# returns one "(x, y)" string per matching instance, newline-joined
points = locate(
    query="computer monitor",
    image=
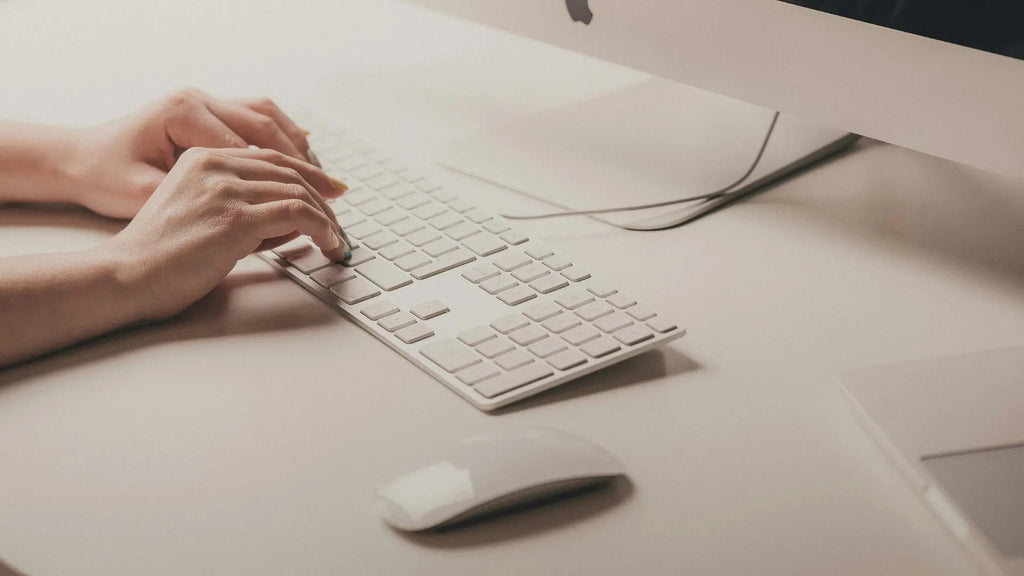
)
(865, 66)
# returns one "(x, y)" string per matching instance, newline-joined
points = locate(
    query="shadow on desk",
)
(643, 369)
(208, 318)
(529, 520)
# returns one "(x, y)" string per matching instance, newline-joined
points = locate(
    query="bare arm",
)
(196, 211)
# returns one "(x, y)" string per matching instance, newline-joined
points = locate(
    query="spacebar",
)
(443, 264)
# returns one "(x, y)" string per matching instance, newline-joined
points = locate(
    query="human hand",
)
(214, 208)
(119, 164)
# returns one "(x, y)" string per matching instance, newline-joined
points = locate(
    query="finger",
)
(271, 243)
(196, 127)
(265, 190)
(275, 219)
(256, 128)
(323, 183)
(297, 135)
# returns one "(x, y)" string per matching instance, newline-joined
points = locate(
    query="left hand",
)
(121, 163)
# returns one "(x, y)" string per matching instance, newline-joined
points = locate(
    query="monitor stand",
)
(650, 142)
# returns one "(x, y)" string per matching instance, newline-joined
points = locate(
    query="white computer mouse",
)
(485, 474)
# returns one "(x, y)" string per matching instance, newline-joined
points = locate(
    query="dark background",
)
(991, 25)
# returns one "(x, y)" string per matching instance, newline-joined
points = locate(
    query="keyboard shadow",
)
(210, 317)
(529, 520)
(648, 367)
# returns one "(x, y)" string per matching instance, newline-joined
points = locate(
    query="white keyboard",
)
(490, 313)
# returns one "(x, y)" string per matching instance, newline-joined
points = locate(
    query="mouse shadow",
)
(529, 519)
(210, 317)
(646, 368)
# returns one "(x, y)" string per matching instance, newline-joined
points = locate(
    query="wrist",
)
(126, 282)
(40, 163)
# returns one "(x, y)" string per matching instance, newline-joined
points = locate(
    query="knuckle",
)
(293, 176)
(297, 192)
(265, 124)
(180, 100)
(264, 103)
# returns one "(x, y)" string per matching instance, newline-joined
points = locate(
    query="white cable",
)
(709, 196)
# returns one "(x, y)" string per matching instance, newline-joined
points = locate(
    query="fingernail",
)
(347, 247)
(335, 240)
(313, 159)
(304, 131)
(338, 184)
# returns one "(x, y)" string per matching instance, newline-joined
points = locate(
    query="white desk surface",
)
(247, 436)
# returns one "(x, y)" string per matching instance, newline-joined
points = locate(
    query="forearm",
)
(36, 163)
(53, 300)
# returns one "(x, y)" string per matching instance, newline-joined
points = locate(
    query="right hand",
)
(214, 208)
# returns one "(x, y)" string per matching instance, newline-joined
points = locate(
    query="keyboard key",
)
(634, 334)
(367, 172)
(599, 347)
(428, 186)
(498, 284)
(358, 196)
(421, 237)
(351, 219)
(392, 165)
(514, 237)
(443, 195)
(509, 323)
(530, 272)
(384, 274)
(397, 190)
(438, 247)
(477, 373)
(514, 359)
(310, 261)
(495, 347)
(549, 284)
(410, 262)
(477, 335)
(484, 244)
(541, 311)
(293, 248)
(407, 226)
(379, 310)
(450, 355)
(517, 295)
(621, 301)
(575, 274)
(495, 226)
(391, 216)
(397, 321)
(538, 252)
(396, 250)
(429, 309)
(360, 255)
(375, 206)
(580, 335)
(362, 230)
(445, 263)
(352, 162)
(659, 324)
(381, 181)
(562, 322)
(477, 215)
(429, 210)
(512, 260)
(415, 333)
(528, 335)
(333, 274)
(600, 290)
(379, 240)
(567, 359)
(459, 205)
(573, 300)
(640, 313)
(355, 291)
(613, 322)
(461, 231)
(515, 379)
(557, 262)
(480, 272)
(445, 220)
(413, 201)
(594, 310)
(547, 347)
